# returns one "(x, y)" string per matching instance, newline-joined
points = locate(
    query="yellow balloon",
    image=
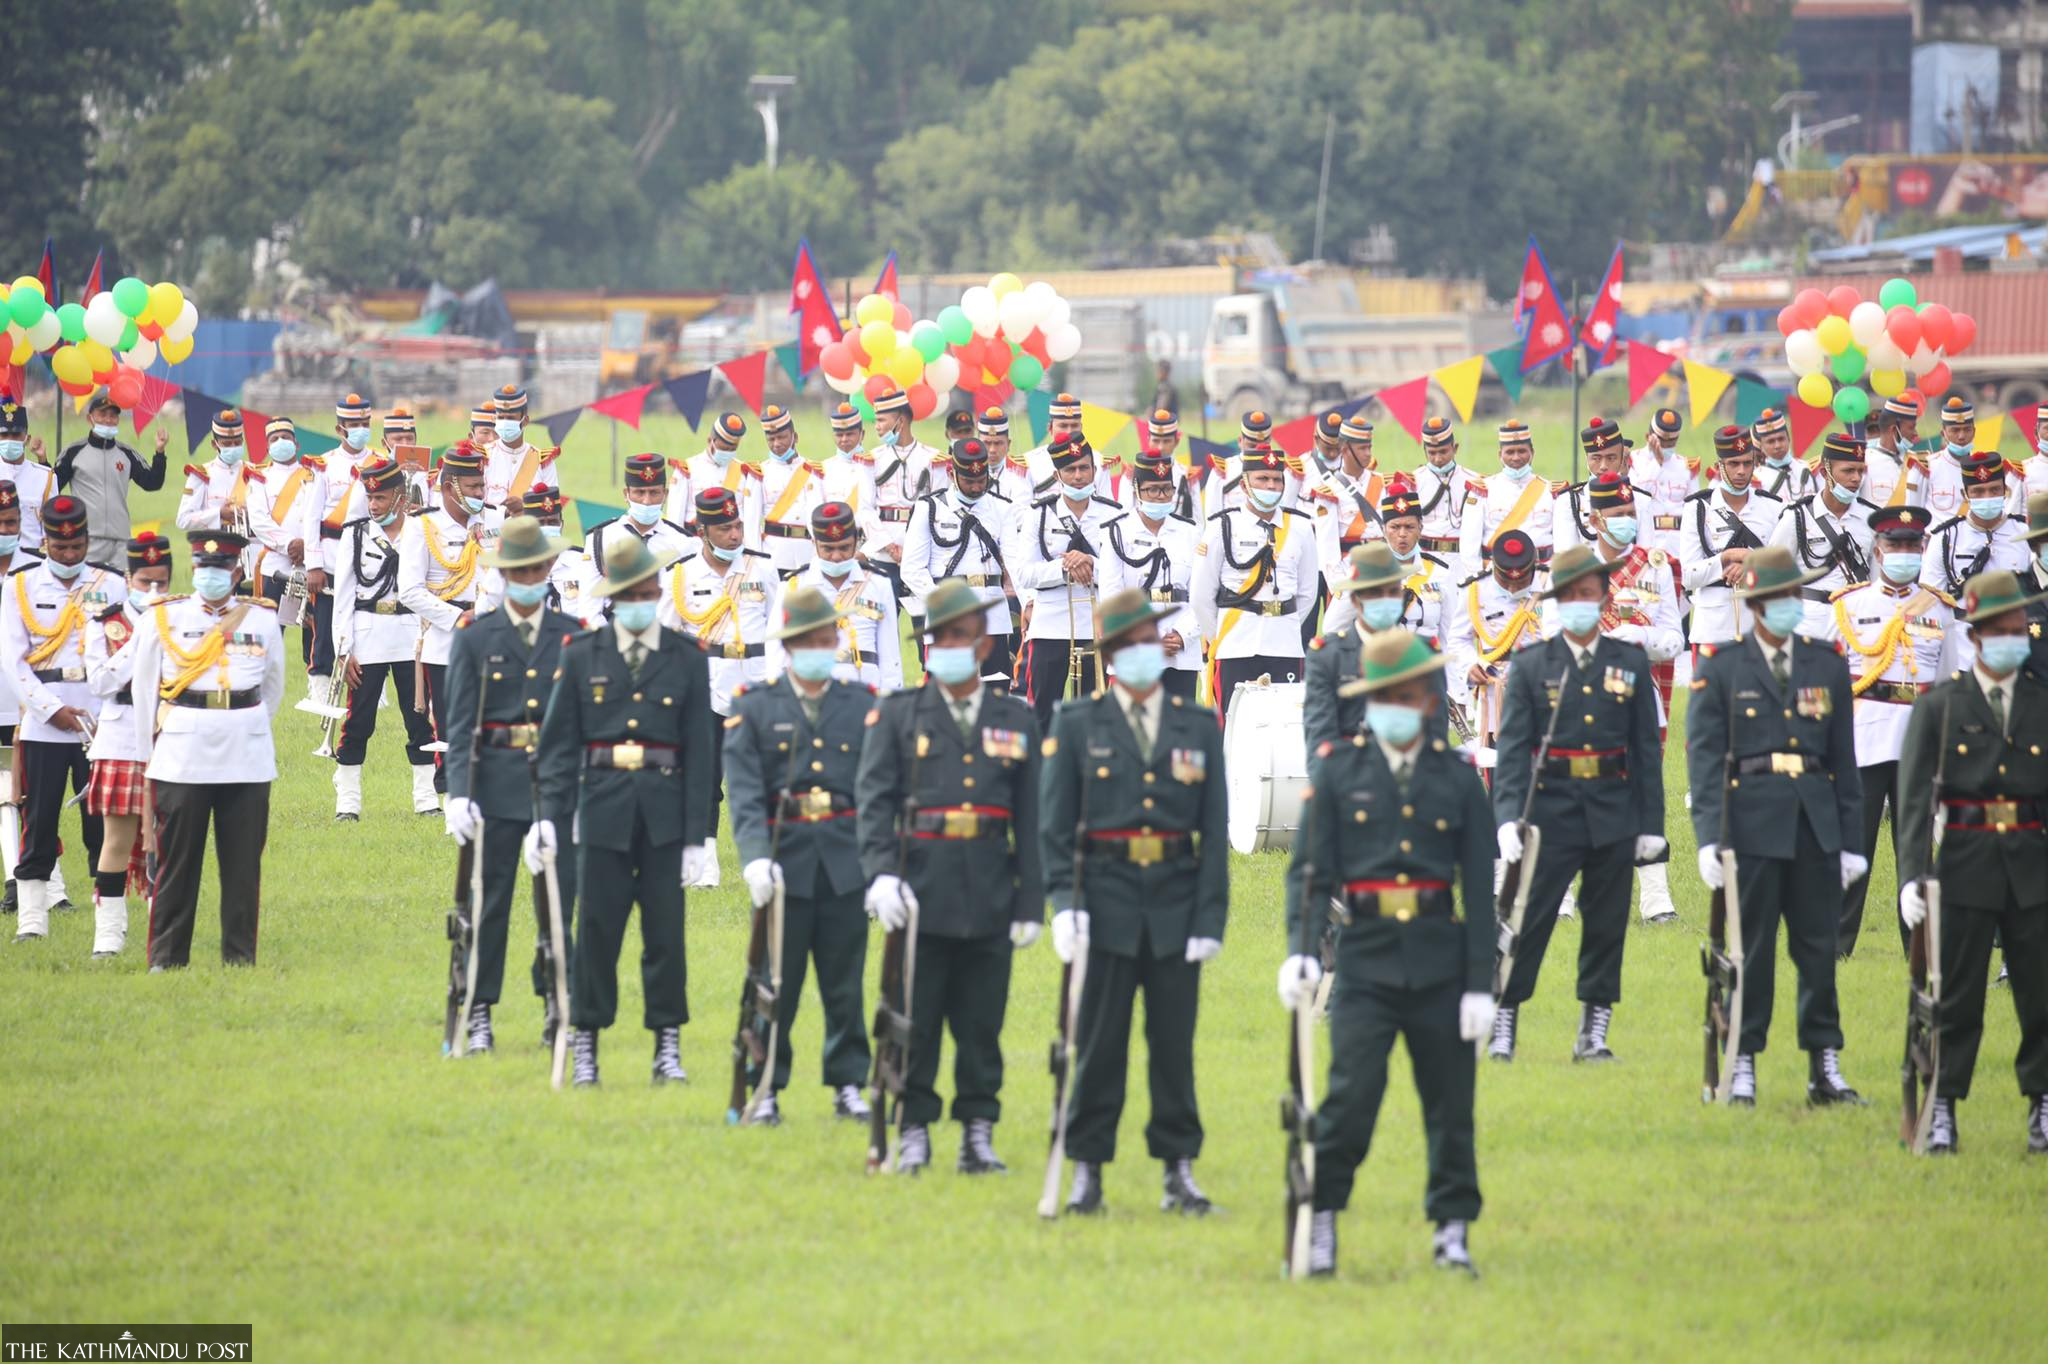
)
(98, 356)
(906, 366)
(874, 308)
(174, 352)
(23, 348)
(166, 301)
(29, 282)
(1004, 284)
(70, 366)
(1816, 391)
(1833, 335)
(878, 339)
(1887, 383)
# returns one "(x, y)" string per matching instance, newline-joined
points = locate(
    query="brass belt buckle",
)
(1146, 850)
(1404, 903)
(1788, 764)
(1162, 594)
(74, 675)
(963, 823)
(523, 736)
(629, 757)
(1584, 765)
(2000, 813)
(815, 803)
(734, 649)
(216, 700)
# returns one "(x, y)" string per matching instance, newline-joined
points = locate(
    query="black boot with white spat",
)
(1450, 1250)
(583, 1054)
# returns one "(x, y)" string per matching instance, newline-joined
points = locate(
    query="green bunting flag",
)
(1752, 398)
(1040, 403)
(1507, 365)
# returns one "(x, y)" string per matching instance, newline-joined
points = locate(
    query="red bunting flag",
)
(1549, 333)
(1598, 333)
(624, 407)
(2023, 419)
(1807, 424)
(1296, 437)
(1646, 365)
(749, 374)
(1408, 404)
(818, 324)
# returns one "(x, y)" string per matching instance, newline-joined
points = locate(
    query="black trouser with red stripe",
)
(239, 813)
(437, 706)
(361, 723)
(322, 635)
(44, 771)
(1045, 676)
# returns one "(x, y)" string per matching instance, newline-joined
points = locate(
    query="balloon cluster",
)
(885, 350)
(1007, 331)
(1835, 339)
(110, 339)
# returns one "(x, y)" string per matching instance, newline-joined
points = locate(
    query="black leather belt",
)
(1169, 594)
(894, 515)
(389, 606)
(1142, 847)
(1586, 764)
(1897, 693)
(496, 734)
(961, 822)
(328, 532)
(60, 674)
(1440, 543)
(1784, 764)
(218, 700)
(732, 650)
(1997, 814)
(777, 530)
(125, 696)
(1820, 594)
(1379, 900)
(812, 806)
(632, 757)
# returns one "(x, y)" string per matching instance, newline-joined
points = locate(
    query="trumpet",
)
(291, 610)
(1078, 650)
(330, 703)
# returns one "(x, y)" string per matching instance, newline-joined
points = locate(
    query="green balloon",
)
(1852, 404)
(71, 318)
(1025, 371)
(955, 326)
(131, 296)
(26, 307)
(928, 340)
(130, 334)
(1849, 365)
(864, 407)
(1896, 292)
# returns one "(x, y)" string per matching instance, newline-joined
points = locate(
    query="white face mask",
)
(1519, 474)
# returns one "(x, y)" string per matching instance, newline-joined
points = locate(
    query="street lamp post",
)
(765, 90)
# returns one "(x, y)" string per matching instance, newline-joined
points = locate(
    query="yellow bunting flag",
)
(1460, 383)
(1101, 425)
(1704, 385)
(1990, 430)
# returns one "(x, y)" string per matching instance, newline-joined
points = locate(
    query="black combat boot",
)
(1824, 1082)
(1592, 1041)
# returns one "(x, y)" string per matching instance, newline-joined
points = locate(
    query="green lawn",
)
(286, 1146)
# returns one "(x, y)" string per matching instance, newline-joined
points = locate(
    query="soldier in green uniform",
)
(1392, 820)
(1135, 777)
(1599, 794)
(1377, 587)
(949, 826)
(625, 751)
(1771, 750)
(791, 752)
(500, 673)
(1985, 732)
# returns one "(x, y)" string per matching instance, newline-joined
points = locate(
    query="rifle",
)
(553, 949)
(1721, 956)
(1298, 1112)
(755, 1042)
(469, 905)
(1511, 902)
(899, 977)
(1064, 1052)
(1921, 1070)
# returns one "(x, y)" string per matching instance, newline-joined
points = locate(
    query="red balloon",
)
(1812, 305)
(103, 376)
(855, 349)
(996, 359)
(836, 360)
(1962, 333)
(75, 390)
(877, 385)
(126, 389)
(1934, 382)
(1902, 324)
(1034, 346)
(1915, 397)
(968, 353)
(1936, 324)
(923, 402)
(1788, 319)
(152, 331)
(1842, 299)
(902, 318)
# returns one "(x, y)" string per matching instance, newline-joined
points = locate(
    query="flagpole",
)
(1575, 385)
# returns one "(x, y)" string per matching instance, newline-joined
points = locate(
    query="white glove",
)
(695, 855)
(762, 877)
(1069, 933)
(890, 900)
(1710, 866)
(461, 818)
(1203, 949)
(1475, 1015)
(1649, 847)
(1509, 839)
(1912, 904)
(1025, 932)
(1298, 977)
(1853, 866)
(540, 843)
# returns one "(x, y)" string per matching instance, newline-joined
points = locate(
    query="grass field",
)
(285, 1146)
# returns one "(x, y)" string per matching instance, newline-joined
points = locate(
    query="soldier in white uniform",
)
(925, 470)
(648, 499)
(1985, 537)
(1893, 474)
(727, 597)
(216, 494)
(1441, 485)
(1007, 466)
(571, 573)
(1900, 637)
(1947, 488)
(1778, 472)
(34, 482)
(1430, 578)
(1255, 581)
(438, 553)
(286, 495)
(717, 466)
(1724, 521)
(1513, 499)
(1053, 552)
(378, 635)
(13, 557)
(1344, 497)
(1668, 477)
(43, 615)
(1486, 620)
(961, 533)
(850, 473)
(1607, 452)
(870, 639)
(340, 502)
(2034, 473)
(1063, 418)
(1828, 531)
(1255, 439)
(901, 476)
(1163, 427)
(791, 488)
(211, 758)
(511, 463)
(1153, 548)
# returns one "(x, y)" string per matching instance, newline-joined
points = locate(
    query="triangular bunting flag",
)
(1507, 367)
(558, 424)
(1351, 405)
(1206, 456)
(790, 355)
(155, 393)
(688, 392)
(1990, 431)
(623, 407)
(1101, 425)
(1752, 398)
(749, 375)
(253, 424)
(1460, 383)
(200, 410)
(591, 515)
(1646, 365)
(1297, 436)
(313, 442)
(1807, 424)
(1408, 404)
(2026, 420)
(1039, 402)
(1704, 386)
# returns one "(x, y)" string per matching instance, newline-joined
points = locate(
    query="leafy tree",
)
(740, 232)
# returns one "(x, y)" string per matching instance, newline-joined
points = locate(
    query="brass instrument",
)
(291, 608)
(330, 703)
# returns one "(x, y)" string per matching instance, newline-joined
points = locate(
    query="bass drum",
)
(1267, 762)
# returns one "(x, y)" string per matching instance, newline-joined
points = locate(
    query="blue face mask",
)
(527, 594)
(1960, 452)
(9, 543)
(953, 664)
(1987, 508)
(1139, 666)
(784, 456)
(889, 438)
(1900, 566)
(229, 454)
(66, 571)
(105, 432)
(1398, 725)
(1783, 614)
(284, 451)
(1783, 461)
(1845, 496)
(1518, 474)
(387, 518)
(473, 505)
(508, 432)
(725, 555)
(1579, 617)
(835, 568)
(812, 665)
(634, 616)
(1380, 613)
(13, 451)
(2002, 653)
(214, 584)
(1265, 499)
(721, 457)
(967, 500)
(1619, 530)
(357, 437)
(644, 513)
(2041, 557)
(1078, 496)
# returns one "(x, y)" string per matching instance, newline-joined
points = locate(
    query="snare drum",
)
(1267, 763)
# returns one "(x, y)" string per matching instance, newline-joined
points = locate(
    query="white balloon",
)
(1018, 312)
(847, 385)
(981, 309)
(141, 355)
(1803, 352)
(1866, 324)
(186, 322)
(1056, 314)
(943, 373)
(48, 331)
(1063, 342)
(1884, 353)
(104, 322)
(1922, 360)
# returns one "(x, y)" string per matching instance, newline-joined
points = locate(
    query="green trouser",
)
(962, 984)
(1364, 1018)
(833, 931)
(1172, 987)
(504, 869)
(543, 972)
(609, 884)
(1966, 936)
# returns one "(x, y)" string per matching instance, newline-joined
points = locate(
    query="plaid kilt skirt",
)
(115, 787)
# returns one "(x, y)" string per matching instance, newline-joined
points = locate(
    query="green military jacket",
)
(1735, 699)
(916, 759)
(1609, 705)
(1095, 780)
(771, 747)
(515, 690)
(1358, 825)
(597, 700)
(1951, 730)
(1326, 717)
